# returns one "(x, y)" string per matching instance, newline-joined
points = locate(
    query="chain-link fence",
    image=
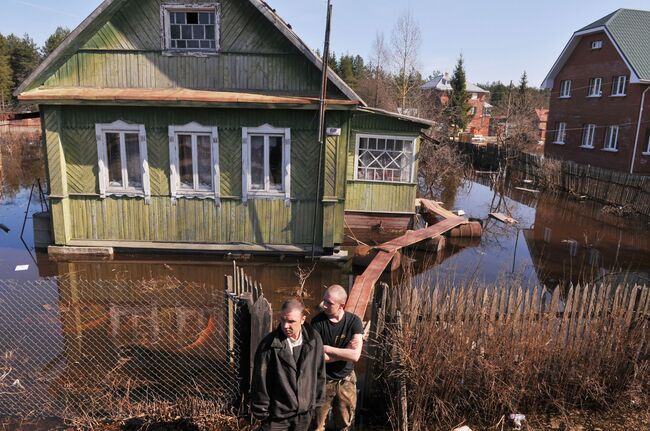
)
(81, 349)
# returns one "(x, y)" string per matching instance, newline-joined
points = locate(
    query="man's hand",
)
(351, 352)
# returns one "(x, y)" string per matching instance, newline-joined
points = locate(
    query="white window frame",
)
(266, 130)
(595, 87)
(194, 129)
(560, 133)
(565, 89)
(647, 147)
(619, 86)
(588, 135)
(165, 9)
(474, 96)
(611, 139)
(411, 163)
(121, 127)
(597, 44)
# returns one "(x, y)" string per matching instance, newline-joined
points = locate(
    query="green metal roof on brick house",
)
(629, 31)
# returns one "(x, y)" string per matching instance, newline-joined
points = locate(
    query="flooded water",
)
(556, 240)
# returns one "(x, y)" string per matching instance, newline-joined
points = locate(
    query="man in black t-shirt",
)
(342, 334)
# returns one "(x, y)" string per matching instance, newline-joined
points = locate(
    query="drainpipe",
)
(638, 129)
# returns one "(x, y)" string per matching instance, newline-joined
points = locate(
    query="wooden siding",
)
(263, 221)
(380, 197)
(253, 56)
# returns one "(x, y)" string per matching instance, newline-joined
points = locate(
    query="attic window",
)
(596, 44)
(191, 27)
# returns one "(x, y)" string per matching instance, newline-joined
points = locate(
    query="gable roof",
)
(629, 32)
(442, 83)
(107, 9)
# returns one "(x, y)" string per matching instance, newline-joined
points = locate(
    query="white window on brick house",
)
(619, 85)
(472, 110)
(194, 161)
(611, 139)
(266, 159)
(595, 87)
(565, 88)
(474, 96)
(596, 44)
(385, 158)
(190, 28)
(122, 159)
(588, 134)
(560, 133)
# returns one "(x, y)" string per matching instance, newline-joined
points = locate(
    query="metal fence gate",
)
(75, 349)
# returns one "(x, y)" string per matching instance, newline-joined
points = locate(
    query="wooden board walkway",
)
(364, 285)
(503, 218)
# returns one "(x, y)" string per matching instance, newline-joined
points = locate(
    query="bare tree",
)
(405, 43)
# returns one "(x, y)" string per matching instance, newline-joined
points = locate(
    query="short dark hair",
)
(292, 304)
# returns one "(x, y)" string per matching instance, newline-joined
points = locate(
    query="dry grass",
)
(478, 353)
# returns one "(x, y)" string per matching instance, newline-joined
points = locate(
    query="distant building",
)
(480, 108)
(541, 118)
(599, 110)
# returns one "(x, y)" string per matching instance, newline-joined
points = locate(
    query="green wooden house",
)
(170, 125)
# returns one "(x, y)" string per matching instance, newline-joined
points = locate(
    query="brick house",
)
(479, 107)
(541, 121)
(599, 110)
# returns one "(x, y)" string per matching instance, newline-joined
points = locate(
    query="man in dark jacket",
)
(289, 373)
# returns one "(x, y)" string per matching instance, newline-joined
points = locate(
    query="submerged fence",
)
(449, 354)
(87, 350)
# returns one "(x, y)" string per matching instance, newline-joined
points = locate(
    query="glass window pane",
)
(185, 171)
(363, 143)
(257, 162)
(209, 32)
(114, 160)
(372, 143)
(192, 18)
(204, 156)
(205, 44)
(192, 43)
(133, 165)
(198, 32)
(180, 44)
(275, 162)
(180, 17)
(187, 31)
(204, 18)
(175, 31)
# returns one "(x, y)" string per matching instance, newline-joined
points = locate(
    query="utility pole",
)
(321, 122)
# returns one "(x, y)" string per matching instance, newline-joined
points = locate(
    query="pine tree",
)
(23, 57)
(346, 71)
(459, 98)
(6, 83)
(54, 41)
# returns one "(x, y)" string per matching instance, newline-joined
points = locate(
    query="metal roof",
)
(629, 31)
(442, 83)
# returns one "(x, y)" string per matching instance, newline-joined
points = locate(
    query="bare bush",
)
(550, 175)
(441, 167)
(478, 353)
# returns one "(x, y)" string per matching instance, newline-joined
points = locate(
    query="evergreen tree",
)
(359, 68)
(6, 83)
(54, 40)
(523, 84)
(459, 98)
(346, 71)
(23, 57)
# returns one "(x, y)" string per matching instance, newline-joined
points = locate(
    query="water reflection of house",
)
(195, 126)
(574, 241)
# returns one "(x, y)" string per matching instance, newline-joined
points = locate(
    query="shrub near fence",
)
(477, 353)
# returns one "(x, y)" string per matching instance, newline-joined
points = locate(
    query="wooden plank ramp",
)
(364, 285)
(503, 218)
(434, 207)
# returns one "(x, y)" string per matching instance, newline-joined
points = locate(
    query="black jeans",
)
(300, 422)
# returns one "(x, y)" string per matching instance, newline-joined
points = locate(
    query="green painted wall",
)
(378, 196)
(126, 52)
(191, 220)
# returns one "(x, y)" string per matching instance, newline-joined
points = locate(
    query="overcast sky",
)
(499, 39)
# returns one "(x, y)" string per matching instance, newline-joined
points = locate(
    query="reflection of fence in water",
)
(73, 347)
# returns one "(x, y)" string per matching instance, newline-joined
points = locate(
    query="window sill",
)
(396, 183)
(645, 153)
(198, 53)
(564, 97)
(195, 195)
(266, 195)
(595, 96)
(129, 193)
(610, 150)
(587, 147)
(558, 143)
(617, 95)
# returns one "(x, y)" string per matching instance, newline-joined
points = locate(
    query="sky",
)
(499, 39)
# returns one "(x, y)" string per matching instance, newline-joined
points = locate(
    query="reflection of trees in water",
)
(21, 162)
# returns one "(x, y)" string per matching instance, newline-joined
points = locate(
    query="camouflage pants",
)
(342, 400)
